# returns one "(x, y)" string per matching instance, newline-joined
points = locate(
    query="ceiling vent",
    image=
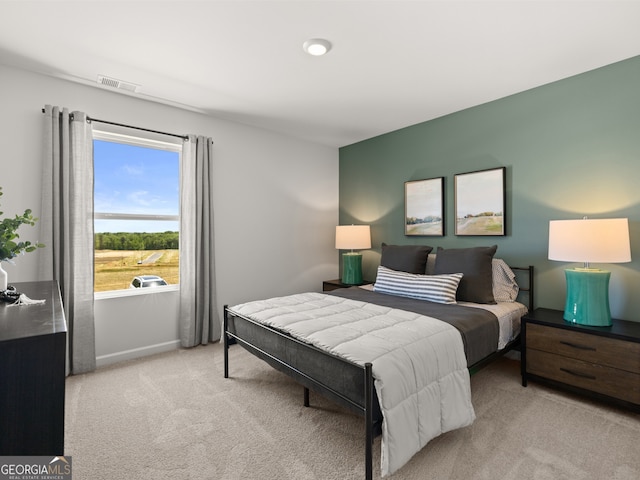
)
(118, 84)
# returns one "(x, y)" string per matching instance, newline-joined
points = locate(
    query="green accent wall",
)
(571, 148)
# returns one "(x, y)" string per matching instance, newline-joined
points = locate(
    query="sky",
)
(139, 180)
(424, 198)
(479, 192)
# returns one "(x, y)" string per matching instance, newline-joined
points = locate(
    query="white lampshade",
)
(590, 240)
(353, 237)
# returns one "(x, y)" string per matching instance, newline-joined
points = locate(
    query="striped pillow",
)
(434, 288)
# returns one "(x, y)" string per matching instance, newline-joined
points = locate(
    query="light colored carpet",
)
(174, 416)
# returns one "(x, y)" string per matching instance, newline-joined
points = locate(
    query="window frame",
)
(133, 137)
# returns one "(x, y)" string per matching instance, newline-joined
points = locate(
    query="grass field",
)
(434, 228)
(480, 226)
(114, 269)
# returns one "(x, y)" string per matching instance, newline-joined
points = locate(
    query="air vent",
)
(119, 84)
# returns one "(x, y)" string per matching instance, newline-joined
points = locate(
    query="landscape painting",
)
(424, 207)
(480, 202)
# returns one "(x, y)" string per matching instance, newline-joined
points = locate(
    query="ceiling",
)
(393, 63)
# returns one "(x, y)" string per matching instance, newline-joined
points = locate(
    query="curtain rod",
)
(90, 119)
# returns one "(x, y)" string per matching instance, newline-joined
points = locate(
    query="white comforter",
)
(419, 364)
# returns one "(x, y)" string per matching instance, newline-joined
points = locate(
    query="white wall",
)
(276, 204)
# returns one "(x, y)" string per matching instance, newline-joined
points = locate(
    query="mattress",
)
(508, 315)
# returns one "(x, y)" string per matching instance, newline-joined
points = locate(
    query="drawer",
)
(606, 351)
(597, 378)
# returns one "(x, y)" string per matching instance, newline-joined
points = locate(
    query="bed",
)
(324, 341)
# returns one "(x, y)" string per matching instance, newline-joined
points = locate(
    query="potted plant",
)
(10, 246)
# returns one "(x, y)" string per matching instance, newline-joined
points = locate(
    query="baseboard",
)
(112, 358)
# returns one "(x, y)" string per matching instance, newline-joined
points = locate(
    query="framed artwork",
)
(480, 202)
(424, 207)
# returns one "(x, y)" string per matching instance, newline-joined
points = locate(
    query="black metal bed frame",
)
(342, 381)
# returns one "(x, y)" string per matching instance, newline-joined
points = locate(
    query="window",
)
(136, 212)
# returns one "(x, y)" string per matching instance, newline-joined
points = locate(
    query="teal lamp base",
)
(587, 297)
(352, 268)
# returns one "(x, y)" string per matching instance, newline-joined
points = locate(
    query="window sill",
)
(134, 292)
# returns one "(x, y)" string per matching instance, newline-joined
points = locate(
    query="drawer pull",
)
(578, 374)
(579, 347)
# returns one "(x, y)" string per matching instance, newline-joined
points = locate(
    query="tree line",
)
(136, 241)
(483, 214)
(427, 219)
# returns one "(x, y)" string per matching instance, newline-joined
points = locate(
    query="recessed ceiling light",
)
(316, 46)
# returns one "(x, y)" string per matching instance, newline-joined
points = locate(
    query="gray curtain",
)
(199, 319)
(66, 226)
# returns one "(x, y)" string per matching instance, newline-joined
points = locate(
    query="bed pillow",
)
(505, 287)
(476, 264)
(434, 288)
(405, 258)
(431, 263)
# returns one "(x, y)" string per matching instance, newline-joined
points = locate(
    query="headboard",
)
(524, 277)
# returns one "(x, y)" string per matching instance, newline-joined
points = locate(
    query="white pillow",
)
(505, 287)
(434, 288)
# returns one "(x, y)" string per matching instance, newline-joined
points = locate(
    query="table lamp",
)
(589, 241)
(351, 237)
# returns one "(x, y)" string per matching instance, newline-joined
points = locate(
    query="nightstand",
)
(329, 285)
(601, 362)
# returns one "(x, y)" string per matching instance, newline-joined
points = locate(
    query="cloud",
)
(140, 197)
(133, 170)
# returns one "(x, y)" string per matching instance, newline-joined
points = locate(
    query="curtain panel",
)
(199, 318)
(66, 226)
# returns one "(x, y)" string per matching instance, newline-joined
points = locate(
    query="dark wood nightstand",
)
(329, 285)
(601, 362)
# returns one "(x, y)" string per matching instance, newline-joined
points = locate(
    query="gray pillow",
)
(475, 263)
(405, 258)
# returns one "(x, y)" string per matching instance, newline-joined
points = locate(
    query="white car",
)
(144, 281)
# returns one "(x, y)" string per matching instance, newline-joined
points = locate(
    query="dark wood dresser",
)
(602, 362)
(32, 373)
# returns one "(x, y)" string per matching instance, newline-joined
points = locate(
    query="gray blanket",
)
(479, 328)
